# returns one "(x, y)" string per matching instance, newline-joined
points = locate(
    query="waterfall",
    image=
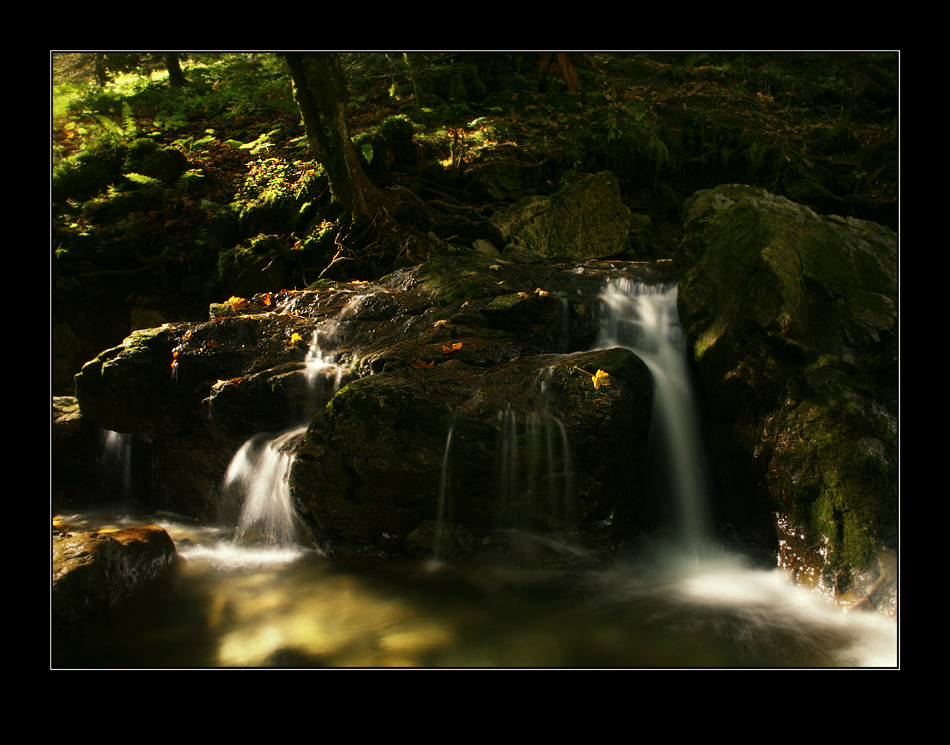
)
(259, 472)
(535, 471)
(115, 465)
(644, 319)
(436, 560)
(260, 469)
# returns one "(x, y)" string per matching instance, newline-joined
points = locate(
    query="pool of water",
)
(239, 607)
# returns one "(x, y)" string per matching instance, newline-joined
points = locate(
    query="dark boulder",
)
(94, 571)
(485, 346)
(793, 318)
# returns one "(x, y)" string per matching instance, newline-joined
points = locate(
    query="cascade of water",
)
(535, 472)
(443, 495)
(260, 470)
(644, 319)
(115, 465)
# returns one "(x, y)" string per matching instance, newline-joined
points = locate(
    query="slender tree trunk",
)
(320, 90)
(175, 75)
(412, 64)
(102, 70)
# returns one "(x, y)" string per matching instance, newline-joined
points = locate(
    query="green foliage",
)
(189, 144)
(138, 178)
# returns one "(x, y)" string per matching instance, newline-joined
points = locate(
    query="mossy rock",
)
(85, 174)
(145, 157)
(793, 321)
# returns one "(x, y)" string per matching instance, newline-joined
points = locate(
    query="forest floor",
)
(818, 128)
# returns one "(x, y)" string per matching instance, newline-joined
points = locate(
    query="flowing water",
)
(115, 466)
(272, 601)
(534, 472)
(259, 472)
(226, 605)
(644, 319)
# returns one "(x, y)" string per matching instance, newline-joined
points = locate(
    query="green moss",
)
(451, 279)
(846, 484)
(144, 338)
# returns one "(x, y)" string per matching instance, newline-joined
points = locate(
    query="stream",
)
(232, 606)
(250, 596)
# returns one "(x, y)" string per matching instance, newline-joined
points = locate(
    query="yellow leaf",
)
(541, 292)
(237, 303)
(296, 338)
(600, 378)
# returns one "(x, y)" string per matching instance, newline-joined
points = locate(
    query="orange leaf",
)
(454, 348)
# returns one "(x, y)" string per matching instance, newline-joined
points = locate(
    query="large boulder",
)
(491, 349)
(95, 571)
(793, 318)
(528, 444)
(587, 220)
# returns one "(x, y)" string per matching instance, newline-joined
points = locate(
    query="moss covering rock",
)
(587, 220)
(793, 318)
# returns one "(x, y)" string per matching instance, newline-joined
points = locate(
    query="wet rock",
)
(533, 445)
(93, 572)
(794, 327)
(486, 346)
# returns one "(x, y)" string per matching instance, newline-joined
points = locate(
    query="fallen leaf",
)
(295, 338)
(443, 323)
(541, 292)
(600, 378)
(423, 366)
(237, 303)
(454, 348)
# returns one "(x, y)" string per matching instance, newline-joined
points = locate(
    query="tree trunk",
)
(320, 90)
(176, 77)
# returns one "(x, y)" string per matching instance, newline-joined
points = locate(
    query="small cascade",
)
(323, 373)
(115, 466)
(259, 472)
(644, 319)
(534, 468)
(444, 486)
(562, 329)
